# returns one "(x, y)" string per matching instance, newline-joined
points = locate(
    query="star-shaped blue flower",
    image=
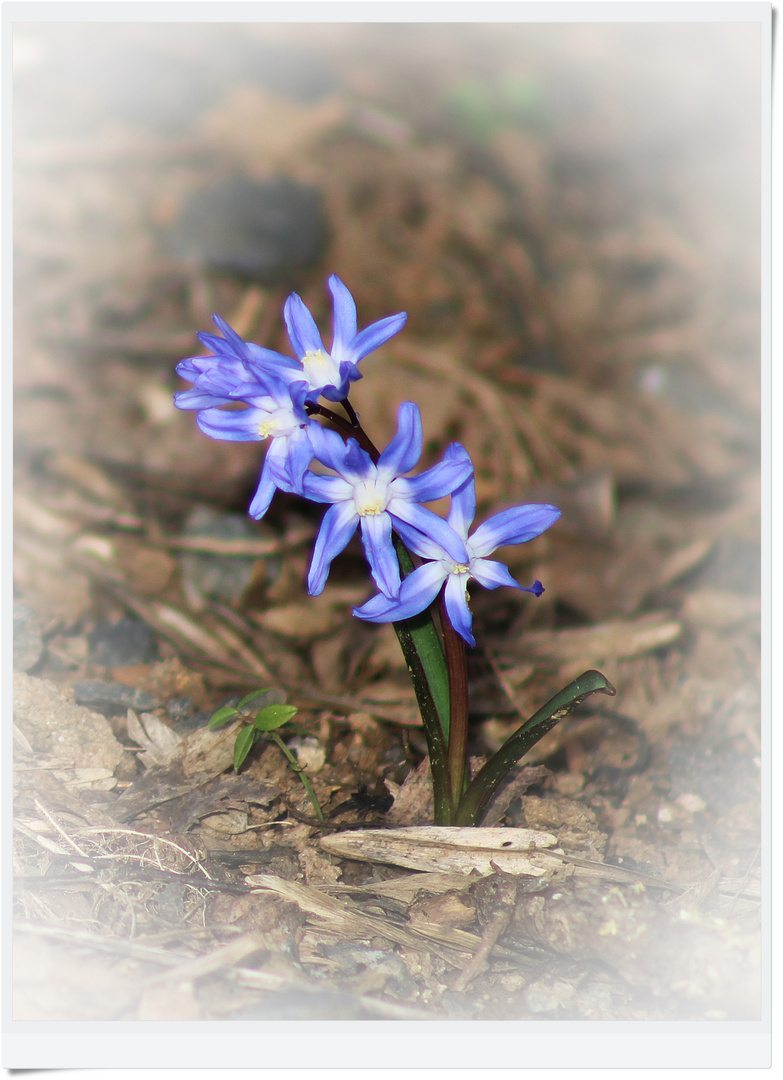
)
(420, 588)
(329, 374)
(379, 497)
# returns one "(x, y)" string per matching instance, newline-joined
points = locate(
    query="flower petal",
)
(417, 542)
(492, 574)
(344, 318)
(376, 537)
(456, 597)
(373, 336)
(198, 399)
(337, 528)
(347, 459)
(513, 526)
(235, 426)
(299, 454)
(325, 489)
(301, 326)
(417, 592)
(404, 451)
(264, 492)
(463, 498)
(434, 483)
(431, 525)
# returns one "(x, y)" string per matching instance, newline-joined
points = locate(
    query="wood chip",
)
(614, 640)
(448, 850)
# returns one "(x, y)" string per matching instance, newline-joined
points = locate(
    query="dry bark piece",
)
(448, 849)
(613, 640)
(201, 756)
(451, 908)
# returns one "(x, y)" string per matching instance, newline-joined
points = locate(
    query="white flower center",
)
(321, 369)
(278, 422)
(371, 497)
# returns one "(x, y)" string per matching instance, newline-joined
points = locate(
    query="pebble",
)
(124, 643)
(112, 699)
(257, 230)
(218, 576)
(178, 708)
(28, 642)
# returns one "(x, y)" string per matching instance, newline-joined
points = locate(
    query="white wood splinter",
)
(448, 849)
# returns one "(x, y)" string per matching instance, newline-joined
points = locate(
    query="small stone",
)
(219, 577)
(259, 231)
(28, 643)
(178, 708)
(112, 699)
(124, 643)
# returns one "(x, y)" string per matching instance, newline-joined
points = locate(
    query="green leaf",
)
(274, 716)
(244, 744)
(486, 780)
(221, 717)
(251, 697)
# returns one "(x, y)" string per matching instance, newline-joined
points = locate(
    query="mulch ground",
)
(569, 216)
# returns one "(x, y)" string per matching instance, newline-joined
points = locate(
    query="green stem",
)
(457, 664)
(297, 768)
(423, 653)
(422, 649)
(486, 780)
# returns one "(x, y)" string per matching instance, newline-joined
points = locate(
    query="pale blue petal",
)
(513, 526)
(404, 451)
(373, 336)
(269, 360)
(457, 606)
(463, 498)
(337, 528)
(298, 456)
(492, 574)
(417, 542)
(193, 366)
(301, 326)
(357, 464)
(417, 592)
(238, 426)
(235, 342)
(328, 447)
(434, 483)
(431, 525)
(376, 537)
(344, 318)
(198, 399)
(325, 489)
(289, 457)
(264, 492)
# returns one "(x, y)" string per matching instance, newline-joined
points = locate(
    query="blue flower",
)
(276, 412)
(329, 374)
(420, 588)
(233, 365)
(377, 497)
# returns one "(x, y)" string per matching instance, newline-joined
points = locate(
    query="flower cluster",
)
(244, 392)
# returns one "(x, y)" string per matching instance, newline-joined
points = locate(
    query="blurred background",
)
(569, 213)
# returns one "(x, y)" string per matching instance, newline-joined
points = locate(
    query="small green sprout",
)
(264, 725)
